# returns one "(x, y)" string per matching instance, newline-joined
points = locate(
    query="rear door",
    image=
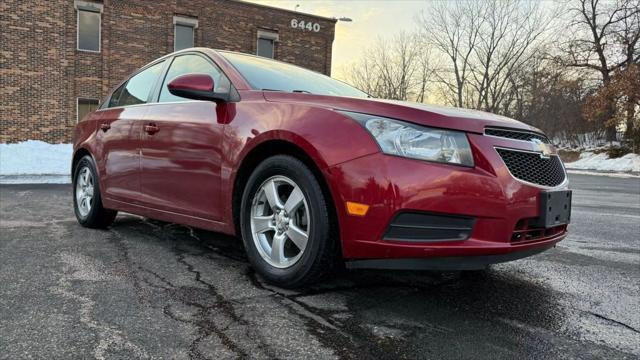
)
(181, 147)
(119, 131)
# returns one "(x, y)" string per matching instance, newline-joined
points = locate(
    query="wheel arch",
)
(268, 149)
(77, 155)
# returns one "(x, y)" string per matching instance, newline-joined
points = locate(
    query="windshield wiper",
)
(295, 91)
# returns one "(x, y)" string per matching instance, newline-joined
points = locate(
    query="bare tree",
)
(552, 99)
(515, 58)
(397, 68)
(453, 29)
(606, 41)
(426, 72)
(485, 42)
(363, 74)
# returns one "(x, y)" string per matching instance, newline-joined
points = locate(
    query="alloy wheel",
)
(84, 191)
(280, 221)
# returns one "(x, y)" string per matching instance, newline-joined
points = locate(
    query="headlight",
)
(417, 142)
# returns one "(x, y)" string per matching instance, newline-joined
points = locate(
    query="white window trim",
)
(185, 21)
(268, 35)
(78, 106)
(90, 7)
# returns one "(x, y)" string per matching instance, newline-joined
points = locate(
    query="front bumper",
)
(496, 201)
(453, 263)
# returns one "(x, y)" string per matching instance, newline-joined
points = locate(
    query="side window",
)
(139, 86)
(113, 100)
(188, 64)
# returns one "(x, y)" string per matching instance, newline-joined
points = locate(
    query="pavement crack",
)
(614, 321)
(129, 265)
(161, 278)
(207, 327)
(335, 338)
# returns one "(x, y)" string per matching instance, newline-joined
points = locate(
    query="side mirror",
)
(197, 87)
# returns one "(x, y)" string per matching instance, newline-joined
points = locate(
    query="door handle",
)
(105, 126)
(151, 129)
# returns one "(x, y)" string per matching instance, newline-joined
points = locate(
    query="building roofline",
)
(333, 20)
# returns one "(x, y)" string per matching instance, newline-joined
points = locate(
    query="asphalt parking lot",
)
(148, 289)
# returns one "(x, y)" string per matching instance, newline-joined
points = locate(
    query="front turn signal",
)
(357, 209)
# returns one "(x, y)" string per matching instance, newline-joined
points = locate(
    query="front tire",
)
(87, 200)
(285, 223)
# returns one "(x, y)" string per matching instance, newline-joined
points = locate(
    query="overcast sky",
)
(371, 19)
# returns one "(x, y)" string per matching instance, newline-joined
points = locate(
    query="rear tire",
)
(294, 217)
(87, 200)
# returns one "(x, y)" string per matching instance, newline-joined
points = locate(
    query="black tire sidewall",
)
(295, 170)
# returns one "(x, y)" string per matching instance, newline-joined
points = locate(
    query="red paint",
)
(178, 162)
(197, 82)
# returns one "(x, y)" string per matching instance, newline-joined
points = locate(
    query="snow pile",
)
(601, 162)
(39, 162)
(35, 162)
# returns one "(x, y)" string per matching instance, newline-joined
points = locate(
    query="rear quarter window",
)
(113, 100)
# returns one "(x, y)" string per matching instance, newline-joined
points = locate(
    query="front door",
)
(181, 147)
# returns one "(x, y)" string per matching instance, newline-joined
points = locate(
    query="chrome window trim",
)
(557, 187)
(152, 103)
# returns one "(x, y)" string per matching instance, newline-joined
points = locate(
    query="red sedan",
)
(311, 172)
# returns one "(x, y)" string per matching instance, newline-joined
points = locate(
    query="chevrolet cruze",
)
(312, 173)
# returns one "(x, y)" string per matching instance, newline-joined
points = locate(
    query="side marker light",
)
(357, 209)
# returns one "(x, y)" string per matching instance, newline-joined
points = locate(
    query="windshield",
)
(270, 75)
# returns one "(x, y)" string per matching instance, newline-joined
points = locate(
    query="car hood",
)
(428, 115)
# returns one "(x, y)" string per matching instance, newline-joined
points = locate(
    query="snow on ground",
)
(35, 162)
(623, 175)
(601, 162)
(39, 162)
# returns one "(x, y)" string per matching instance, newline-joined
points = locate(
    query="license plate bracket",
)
(555, 208)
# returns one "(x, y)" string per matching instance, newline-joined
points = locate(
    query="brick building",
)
(58, 58)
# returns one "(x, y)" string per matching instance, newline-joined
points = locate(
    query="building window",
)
(267, 44)
(184, 37)
(88, 25)
(86, 106)
(184, 32)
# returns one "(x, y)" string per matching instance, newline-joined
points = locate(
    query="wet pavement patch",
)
(149, 289)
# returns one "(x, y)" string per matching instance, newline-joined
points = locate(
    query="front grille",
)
(524, 232)
(517, 135)
(533, 168)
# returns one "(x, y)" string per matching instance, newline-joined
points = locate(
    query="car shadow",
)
(399, 299)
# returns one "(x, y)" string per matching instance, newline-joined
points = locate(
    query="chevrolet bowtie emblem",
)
(544, 149)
